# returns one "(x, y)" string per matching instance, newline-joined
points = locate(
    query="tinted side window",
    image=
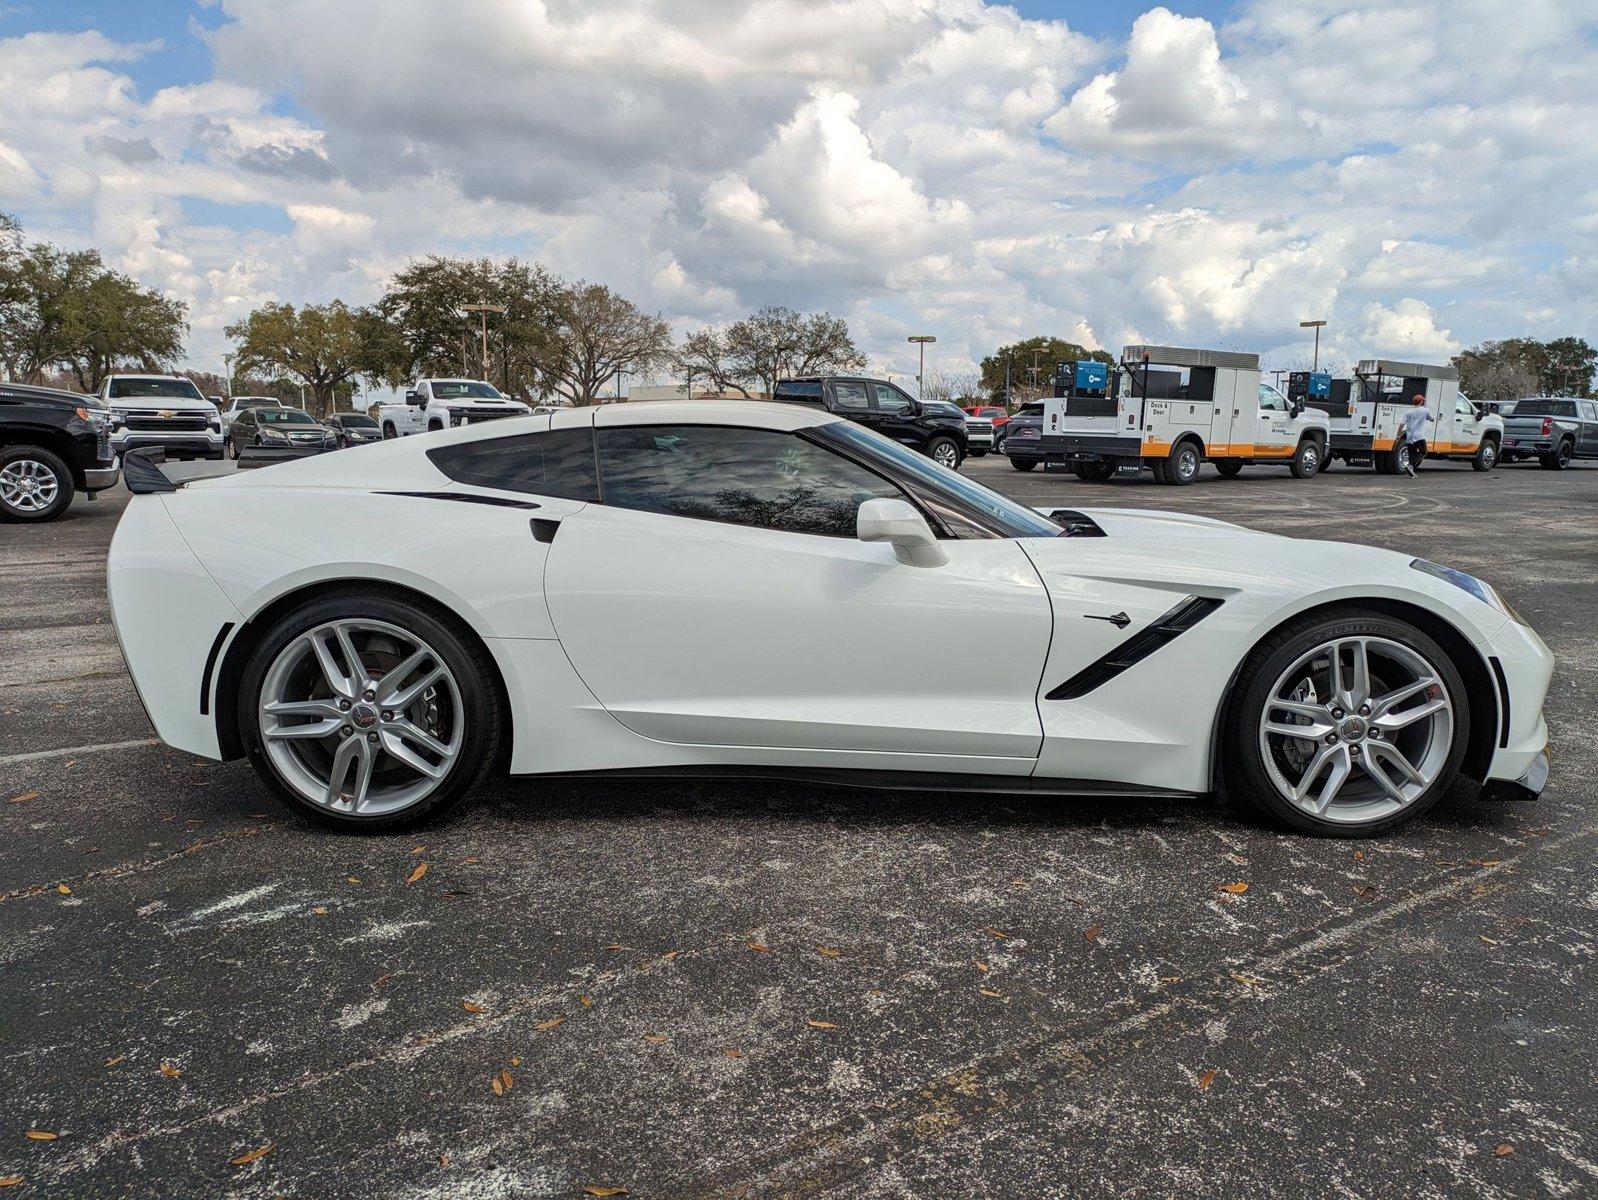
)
(802, 389)
(755, 477)
(891, 399)
(850, 396)
(558, 463)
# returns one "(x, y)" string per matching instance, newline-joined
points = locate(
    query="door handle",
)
(1120, 620)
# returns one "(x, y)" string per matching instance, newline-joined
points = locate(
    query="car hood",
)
(159, 403)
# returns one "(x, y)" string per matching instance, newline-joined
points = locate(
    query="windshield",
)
(130, 389)
(284, 416)
(350, 422)
(956, 499)
(456, 389)
(1545, 408)
(243, 402)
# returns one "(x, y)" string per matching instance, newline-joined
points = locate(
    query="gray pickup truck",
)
(1552, 429)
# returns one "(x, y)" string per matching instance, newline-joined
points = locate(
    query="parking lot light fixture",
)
(483, 309)
(921, 340)
(1316, 326)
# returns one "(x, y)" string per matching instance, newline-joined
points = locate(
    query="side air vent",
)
(1076, 524)
(1136, 648)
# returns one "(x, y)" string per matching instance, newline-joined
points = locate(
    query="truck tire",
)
(434, 426)
(1181, 467)
(389, 431)
(944, 451)
(1093, 472)
(1560, 458)
(1230, 468)
(1393, 461)
(1306, 463)
(35, 485)
(1023, 464)
(1486, 457)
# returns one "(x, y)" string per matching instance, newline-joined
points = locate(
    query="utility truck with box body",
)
(446, 404)
(1170, 409)
(1367, 425)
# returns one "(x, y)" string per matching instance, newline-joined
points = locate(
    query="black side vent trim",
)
(1503, 702)
(142, 476)
(1076, 524)
(1136, 648)
(210, 665)
(467, 498)
(544, 530)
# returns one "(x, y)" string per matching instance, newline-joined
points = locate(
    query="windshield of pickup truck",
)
(284, 416)
(456, 389)
(1545, 408)
(133, 389)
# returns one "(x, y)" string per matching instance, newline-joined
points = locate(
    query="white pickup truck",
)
(445, 404)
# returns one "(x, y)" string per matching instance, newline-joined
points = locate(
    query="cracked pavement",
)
(751, 990)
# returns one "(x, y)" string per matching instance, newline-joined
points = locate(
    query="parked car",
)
(1552, 429)
(885, 408)
(52, 444)
(978, 430)
(1023, 437)
(446, 404)
(996, 413)
(353, 429)
(161, 410)
(287, 432)
(238, 404)
(605, 593)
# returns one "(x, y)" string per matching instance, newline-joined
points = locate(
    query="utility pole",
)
(1316, 326)
(1007, 357)
(483, 309)
(921, 340)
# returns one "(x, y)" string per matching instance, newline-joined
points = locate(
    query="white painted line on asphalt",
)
(39, 755)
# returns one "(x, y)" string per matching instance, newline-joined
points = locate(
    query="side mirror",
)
(1296, 409)
(898, 522)
(414, 399)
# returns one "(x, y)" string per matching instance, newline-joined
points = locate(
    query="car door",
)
(1273, 430)
(852, 398)
(243, 429)
(1588, 443)
(1465, 434)
(719, 597)
(898, 415)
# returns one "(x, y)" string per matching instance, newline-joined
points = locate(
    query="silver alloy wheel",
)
(27, 485)
(946, 455)
(361, 717)
(1312, 457)
(1187, 462)
(1356, 729)
(1489, 453)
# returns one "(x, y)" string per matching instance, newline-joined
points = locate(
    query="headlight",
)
(1480, 588)
(273, 435)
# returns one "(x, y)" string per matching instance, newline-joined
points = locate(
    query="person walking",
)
(1414, 422)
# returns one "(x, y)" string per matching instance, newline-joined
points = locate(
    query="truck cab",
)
(1367, 426)
(1170, 409)
(445, 404)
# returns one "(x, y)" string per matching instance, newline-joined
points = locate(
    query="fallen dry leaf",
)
(443, 1160)
(815, 1024)
(989, 992)
(320, 910)
(998, 933)
(23, 797)
(594, 1189)
(549, 1024)
(415, 850)
(382, 979)
(473, 1008)
(42, 1135)
(499, 1088)
(1502, 1149)
(111, 1062)
(828, 951)
(1206, 1079)
(760, 948)
(421, 869)
(1091, 933)
(1359, 856)
(1246, 980)
(732, 1053)
(352, 879)
(63, 889)
(170, 1071)
(509, 1080)
(1488, 940)
(670, 954)
(515, 1061)
(654, 1038)
(980, 965)
(1235, 889)
(1238, 859)
(258, 1152)
(11, 1180)
(584, 1001)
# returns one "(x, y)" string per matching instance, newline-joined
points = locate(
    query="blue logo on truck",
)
(1092, 376)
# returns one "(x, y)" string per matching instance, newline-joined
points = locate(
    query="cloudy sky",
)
(1422, 173)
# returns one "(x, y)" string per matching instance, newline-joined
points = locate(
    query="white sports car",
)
(765, 590)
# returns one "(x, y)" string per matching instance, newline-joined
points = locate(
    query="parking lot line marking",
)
(7, 760)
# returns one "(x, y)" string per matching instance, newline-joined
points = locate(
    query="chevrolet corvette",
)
(764, 590)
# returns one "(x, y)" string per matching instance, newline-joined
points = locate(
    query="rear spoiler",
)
(142, 474)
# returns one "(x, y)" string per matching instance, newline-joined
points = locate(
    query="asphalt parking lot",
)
(768, 990)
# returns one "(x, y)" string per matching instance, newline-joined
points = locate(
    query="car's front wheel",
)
(365, 710)
(1486, 456)
(1306, 463)
(35, 485)
(945, 452)
(1346, 724)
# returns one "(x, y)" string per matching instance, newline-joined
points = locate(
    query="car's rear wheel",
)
(1023, 464)
(1346, 724)
(1093, 472)
(1560, 458)
(367, 711)
(1230, 468)
(1182, 466)
(35, 485)
(389, 432)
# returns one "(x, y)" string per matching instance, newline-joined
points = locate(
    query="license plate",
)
(1024, 434)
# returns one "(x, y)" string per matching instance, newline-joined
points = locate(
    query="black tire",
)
(1243, 769)
(1229, 468)
(1560, 458)
(39, 460)
(976, 453)
(946, 446)
(1097, 471)
(1023, 464)
(389, 432)
(1306, 463)
(1182, 466)
(481, 716)
(233, 449)
(1486, 457)
(1326, 462)
(1392, 462)
(434, 426)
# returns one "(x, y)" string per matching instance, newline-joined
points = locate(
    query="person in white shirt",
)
(1414, 422)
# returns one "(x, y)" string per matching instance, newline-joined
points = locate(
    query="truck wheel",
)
(1023, 464)
(1094, 472)
(1486, 456)
(1394, 461)
(1560, 458)
(434, 426)
(233, 449)
(1230, 468)
(945, 452)
(1182, 467)
(1326, 463)
(388, 431)
(1306, 462)
(35, 485)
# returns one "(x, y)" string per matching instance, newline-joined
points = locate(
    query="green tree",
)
(1032, 362)
(110, 322)
(321, 346)
(1513, 367)
(598, 334)
(753, 353)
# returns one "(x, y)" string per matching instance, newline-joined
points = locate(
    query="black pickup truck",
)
(884, 407)
(52, 444)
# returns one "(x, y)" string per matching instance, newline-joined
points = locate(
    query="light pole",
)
(921, 340)
(1316, 326)
(483, 309)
